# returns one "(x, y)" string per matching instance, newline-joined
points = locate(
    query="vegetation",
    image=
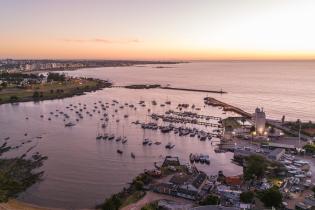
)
(17, 174)
(271, 197)
(210, 200)
(51, 90)
(313, 190)
(307, 128)
(151, 206)
(255, 167)
(247, 197)
(309, 148)
(127, 196)
(56, 77)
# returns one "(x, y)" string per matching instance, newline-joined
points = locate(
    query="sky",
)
(157, 29)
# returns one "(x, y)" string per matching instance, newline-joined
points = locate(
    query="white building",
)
(259, 118)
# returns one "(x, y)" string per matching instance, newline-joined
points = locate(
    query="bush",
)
(14, 98)
(247, 197)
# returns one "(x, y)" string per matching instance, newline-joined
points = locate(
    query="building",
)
(276, 154)
(259, 118)
(183, 185)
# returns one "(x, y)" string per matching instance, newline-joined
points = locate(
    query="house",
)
(183, 185)
(233, 180)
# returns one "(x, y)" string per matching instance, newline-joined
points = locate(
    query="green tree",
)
(255, 167)
(14, 98)
(247, 197)
(210, 200)
(313, 189)
(36, 94)
(272, 197)
(138, 185)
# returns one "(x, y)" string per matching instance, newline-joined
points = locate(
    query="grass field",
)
(51, 90)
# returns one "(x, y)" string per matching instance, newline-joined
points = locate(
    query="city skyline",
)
(157, 30)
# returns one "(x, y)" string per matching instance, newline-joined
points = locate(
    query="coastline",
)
(110, 64)
(14, 204)
(72, 91)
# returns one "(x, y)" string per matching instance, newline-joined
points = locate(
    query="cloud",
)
(104, 41)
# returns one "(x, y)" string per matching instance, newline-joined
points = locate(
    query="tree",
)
(252, 129)
(36, 94)
(313, 189)
(272, 197)
(243, 120)
(255, 167)
(138, 185)
(56, 77)
(247, 197)
(112, 203)
(210, 200)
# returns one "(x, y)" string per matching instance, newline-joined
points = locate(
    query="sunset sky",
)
(157, 29)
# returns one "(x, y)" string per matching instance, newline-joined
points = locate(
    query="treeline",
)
(15, 78)
(56, 77)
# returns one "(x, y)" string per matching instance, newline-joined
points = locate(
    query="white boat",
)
(145, 141)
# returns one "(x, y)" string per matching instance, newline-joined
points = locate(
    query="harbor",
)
(132, 131)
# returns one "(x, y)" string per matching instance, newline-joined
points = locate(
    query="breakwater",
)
(153, 86)
(226, 107)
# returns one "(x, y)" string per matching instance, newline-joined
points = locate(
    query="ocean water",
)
(81, 171)
(281, 87)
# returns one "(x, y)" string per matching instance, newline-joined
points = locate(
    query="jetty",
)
(226, 107)
(155, 86)
(195, 90)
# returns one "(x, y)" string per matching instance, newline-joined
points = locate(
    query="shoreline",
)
(115, 64)
(15, 204)
(75, 91)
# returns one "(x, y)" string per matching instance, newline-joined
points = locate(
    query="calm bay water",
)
(282, 88)
(81, 171)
